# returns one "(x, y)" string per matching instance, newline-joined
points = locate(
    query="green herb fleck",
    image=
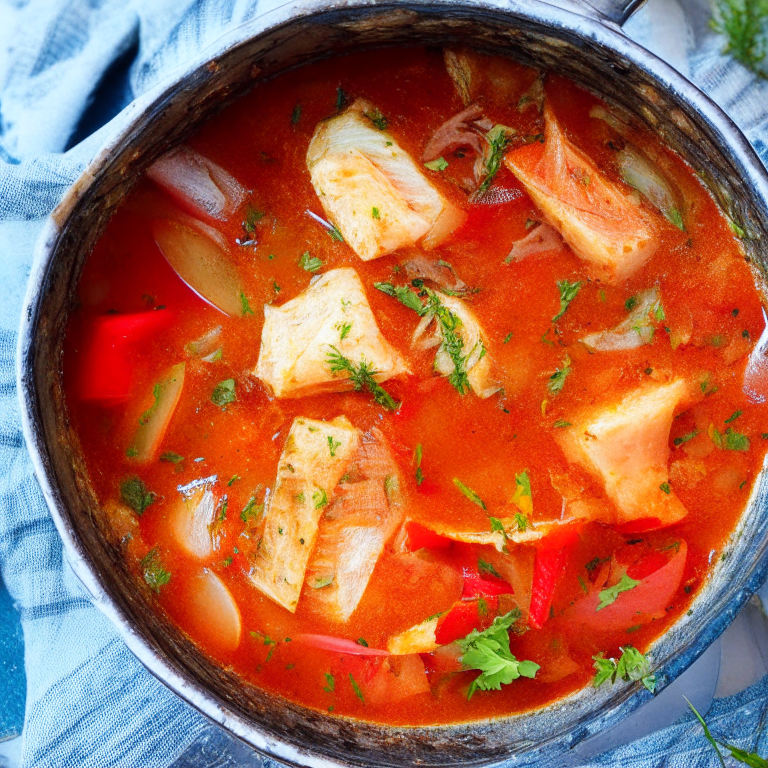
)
(154, 573)
(171, 457)
(323, 581)
(609, 596)
(522, 521)
(405, 296)
(378, 120)
(568, 292)
(330, 683)
(333, 445)
(678, 441)
(733, 416)
(310, 263)
(246, 307)
(362, 377)
(353, 682)
(296, 114)
(632, 665)
(224, 393)
(485, 567)
(320, 498)
(665, 488)
(557, 379)
(437, 165)
(560, 424)
(135, 494)
(375, 212)
(469, 493)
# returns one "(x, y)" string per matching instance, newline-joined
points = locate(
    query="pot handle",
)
(616, 11)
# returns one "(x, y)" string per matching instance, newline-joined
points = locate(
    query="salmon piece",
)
(625, 445)
(297, 337)
(372, 189)
(315, 456)
(596, 219)
(367, 510)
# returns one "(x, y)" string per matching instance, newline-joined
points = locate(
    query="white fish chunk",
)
(191, 520)
(315, 456)
(371, 188)
(365, 513)
(297, 336)
(625, 445)
(597, 220)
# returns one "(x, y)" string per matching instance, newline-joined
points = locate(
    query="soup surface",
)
(419, 419)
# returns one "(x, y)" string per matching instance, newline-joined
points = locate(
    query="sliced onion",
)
(636, 330)
(646, 177)
(207, 345)
(539, 240)
(154, 422)
(191, 521)
(454, 133)
(338, 645)
(214, 612)
(198, 256)
(203, 187)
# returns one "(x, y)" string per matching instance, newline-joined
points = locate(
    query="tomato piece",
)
(640, 526)
(647, 565)
(463, 618)
(419, 537)
(105, 370)
(484, 586)
(445, 660)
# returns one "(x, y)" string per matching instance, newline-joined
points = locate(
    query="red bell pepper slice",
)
(463, 618)
(640, 526)
(484, 586)
(548, 566)
(419, 537)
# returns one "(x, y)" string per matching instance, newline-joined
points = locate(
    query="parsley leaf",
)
(522, 522)
(568, 292)
(154, 573)
(330, 683)
(417, 454)
(333, 445)
(378, 120)
(135, 494)
(310, 263)
(498, 141)
(405, 296)
(171, 457)
(224, 393)
(356, 688)
(362, 377)
(557, 379)
(678, 441)
(320, 498)
(246, 307)
(488, 651)
(252, 511)
(485, 567)
(375, 212)
(609, 596)
(523, 498)
(437, 165)
(632, 665)
(469, 493)
(729, 440)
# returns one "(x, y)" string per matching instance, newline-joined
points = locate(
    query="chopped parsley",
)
(333, 445)
(171, 458)
(498, 527)
(154, 573)
(323, 581)
(630, 303)
(375, 212)
(330, 683)
(405, 296)
(523, 498)
(728, 440)
(437, 165)
(557, 379)
(224, 393)
(362, 641)
(320, 498)
(246, 307)
(568, 292)
(508, 337)
(485, 567)
(252, 512)
(632, 665)
(310, 263)
(417, 454)
(296, 114)
(233, 479)
(453, 344)
(353, 682)
(560, 424)
(135, 494)
(378, 120)
(488, 651)
(335, 234)
(344, 329)
(252, 217)
(733, 417)
(362, 377)
(608, 596)
(678, 441)
(469, 493)
(665, 488)
(157, 390)
(498, 141)
(522, 522)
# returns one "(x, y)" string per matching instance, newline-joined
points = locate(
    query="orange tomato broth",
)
(483, 442)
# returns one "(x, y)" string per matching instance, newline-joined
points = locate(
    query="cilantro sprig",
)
(362, 377)
(154, 572)
(488, 651)
(135, 494)
(631, 666)
(610, 595)
(568, 292)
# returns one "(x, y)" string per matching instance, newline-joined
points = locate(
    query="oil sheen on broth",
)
(417, 380)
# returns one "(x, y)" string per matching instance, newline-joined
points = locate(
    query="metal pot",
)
(582, 42)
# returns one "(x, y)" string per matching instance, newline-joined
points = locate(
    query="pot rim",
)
(585, 22)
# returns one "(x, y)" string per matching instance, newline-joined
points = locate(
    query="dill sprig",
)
(498, 141)
(362, 377)
(743, 22)
(452, 341)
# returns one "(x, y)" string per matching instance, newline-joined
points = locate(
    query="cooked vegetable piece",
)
(354, 529)
(337, 645)
(462, 354)
(154, 421)
(356, 168)
(307, 476)
(625, 445)
(548, 566)
(600, 223)
(198, 254)
(191, 519)
(214, 612)
(398, 678)
(104, 372)
(297, 338)
(541, 239)
(199, 184)
(417, 639)
(637, 329)
(646, 177)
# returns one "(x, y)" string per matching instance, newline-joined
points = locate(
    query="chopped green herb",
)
(233, 479)
(252, 512)
(353, 682)
(330, 683)
(453, 344)
(227, 561)
(498, 527)
(246, 307)
(157, 390)
(310, 263)
(735, 312)
(320, 498)
(568, 292)
(344, 329)
(560, 424)
(171, 457)
(362, 377)
(632, 665)
(403, 295)
(557, 379)
(437, 165)
(630, 303)
(488, 651)
(417, 454)
(224, 393)
(678, 441)
(469, 493)
(375, 212)
(733, 417)
(508, 337)
(729, 440)
(582, 584)
(135, 494)
(485, 567)
(665, 488)
(323, 581)
(378, 120)
(608, 596)
(132, 452)
(154, 573)
(498, 141)
(252, 217)
(296, 114)
(275, 287)
(333, 445)
(335, 234)
(362, 641)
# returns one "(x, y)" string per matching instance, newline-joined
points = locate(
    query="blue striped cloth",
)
(89, 703)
